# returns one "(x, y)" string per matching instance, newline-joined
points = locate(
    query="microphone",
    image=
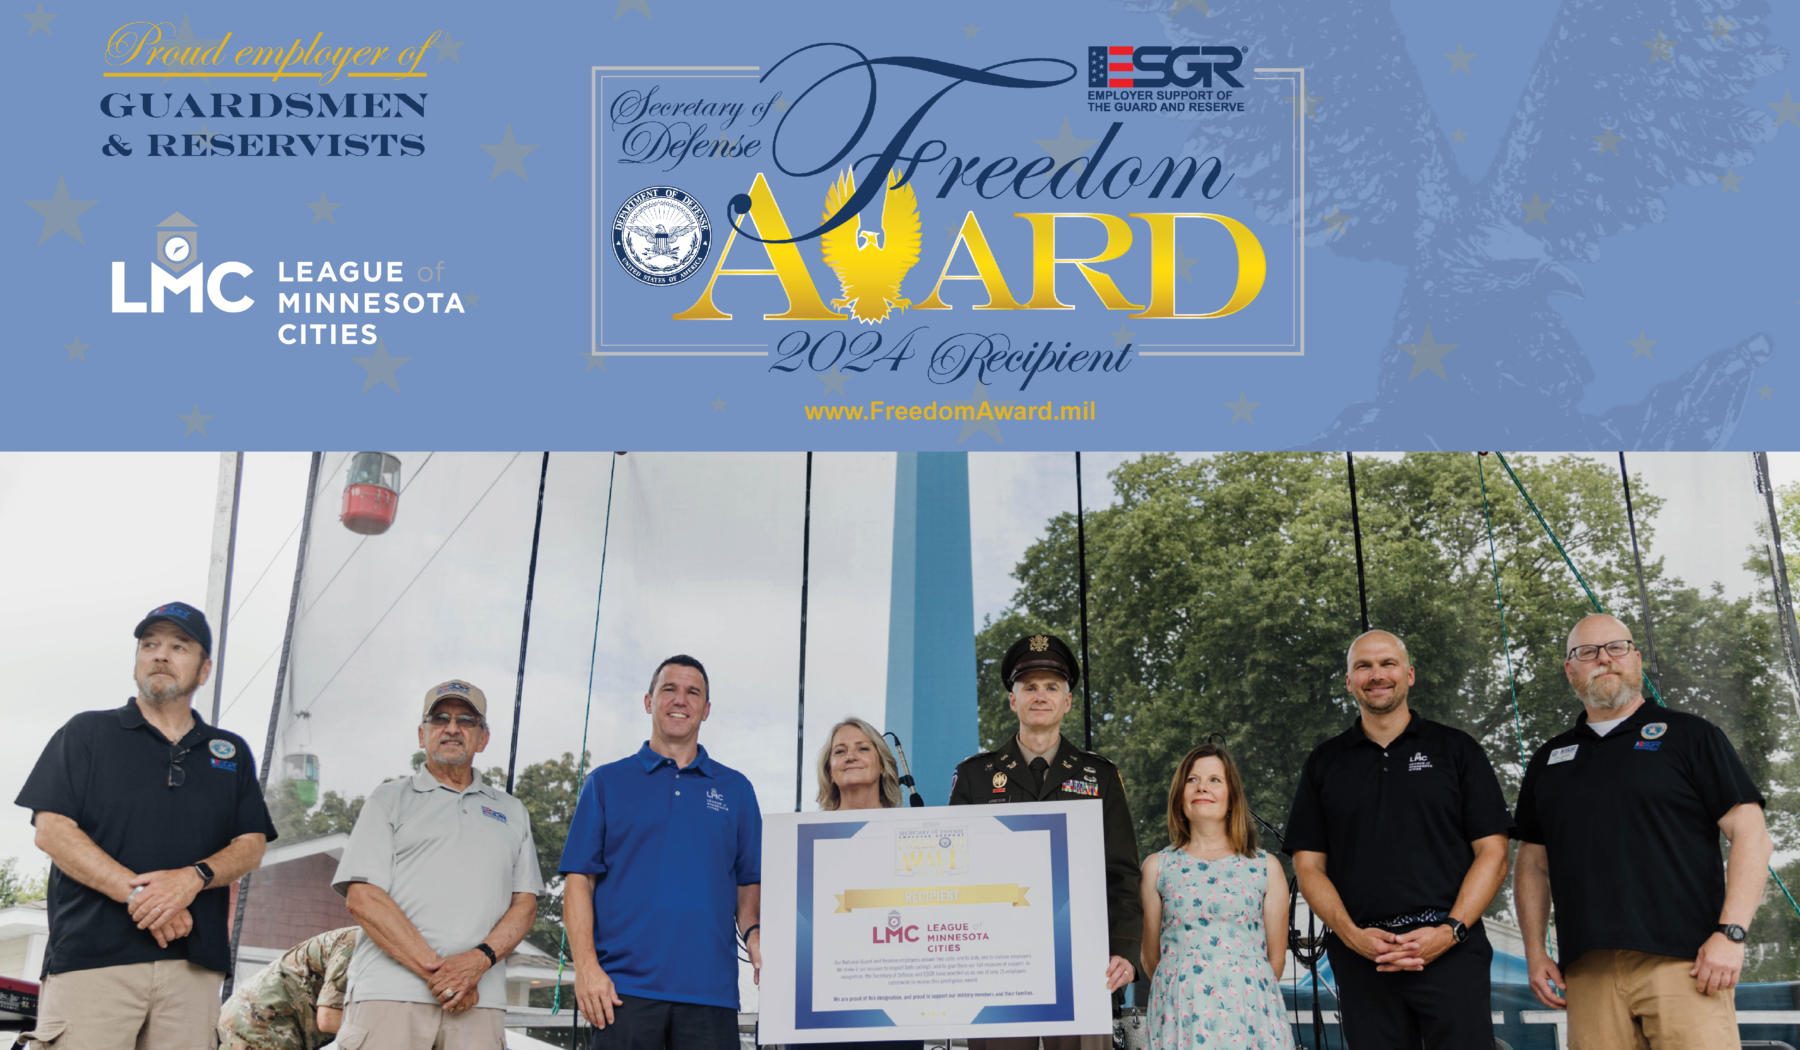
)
(906, 778)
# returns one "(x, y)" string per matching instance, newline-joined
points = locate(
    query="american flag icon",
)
(1104, 61)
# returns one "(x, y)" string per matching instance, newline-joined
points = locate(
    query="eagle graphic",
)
(871, 271)
(660, 239)
(1630, 103)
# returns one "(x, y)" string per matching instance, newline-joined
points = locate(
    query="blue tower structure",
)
(931, 621)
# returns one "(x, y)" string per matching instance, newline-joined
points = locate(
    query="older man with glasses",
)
(148, 815)
(442, 875)
(1620, 820)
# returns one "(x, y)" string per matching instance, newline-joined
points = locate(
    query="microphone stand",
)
(906, 778)
(1307, 950)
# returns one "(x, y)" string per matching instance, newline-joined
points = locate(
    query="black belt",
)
(1418, 918)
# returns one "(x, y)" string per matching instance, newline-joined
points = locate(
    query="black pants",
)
(656, 1024)
(1445, 1006)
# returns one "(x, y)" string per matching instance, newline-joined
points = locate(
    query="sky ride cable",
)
(562, 950)
(1637, 561)
(1792, 903)
(537, 528)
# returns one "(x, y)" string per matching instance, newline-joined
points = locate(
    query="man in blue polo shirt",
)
(664, 859)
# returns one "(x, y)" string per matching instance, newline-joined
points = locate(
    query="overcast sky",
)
(704, 556)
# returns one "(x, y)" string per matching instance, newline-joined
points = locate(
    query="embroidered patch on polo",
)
(496, 814)
(229, 767)
(1562, 754)
(1647, 745)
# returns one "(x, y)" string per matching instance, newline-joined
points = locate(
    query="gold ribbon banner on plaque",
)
(997, 893)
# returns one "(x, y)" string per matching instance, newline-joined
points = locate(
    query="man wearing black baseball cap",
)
(1039, 764)
(148, 815)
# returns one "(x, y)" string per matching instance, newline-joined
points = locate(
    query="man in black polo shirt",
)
(1398, 835)
(1619, 820)
(148, 815)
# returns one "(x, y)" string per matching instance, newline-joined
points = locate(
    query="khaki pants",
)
(382, 1024)
(170, 1004)
(1051, 1042)
(1624, 999)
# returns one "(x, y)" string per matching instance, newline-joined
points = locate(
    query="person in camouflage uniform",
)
(295, 1002)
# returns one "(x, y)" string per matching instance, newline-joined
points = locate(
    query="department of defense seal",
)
(661, 235)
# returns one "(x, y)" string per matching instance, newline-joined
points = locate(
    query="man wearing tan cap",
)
(442, 875)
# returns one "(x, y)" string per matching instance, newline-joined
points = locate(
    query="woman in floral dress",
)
(1215, 918)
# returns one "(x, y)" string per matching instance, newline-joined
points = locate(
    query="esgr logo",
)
(1155, 66)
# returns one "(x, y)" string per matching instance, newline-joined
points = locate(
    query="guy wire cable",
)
(1087, 699)
(1362, 589)
(1599, 609)
(287, 641)
(805, 579)
(1637, 560)
(537, 529)
(1512, 679)
(562, 949)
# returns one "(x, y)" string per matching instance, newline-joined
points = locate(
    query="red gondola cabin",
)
(371, 493)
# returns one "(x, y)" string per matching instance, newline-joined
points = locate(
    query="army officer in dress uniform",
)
(1038, 765)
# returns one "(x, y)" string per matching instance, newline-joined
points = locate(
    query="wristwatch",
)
(206, 873)
(1457, 930)
(1733, 932)
(489, 952)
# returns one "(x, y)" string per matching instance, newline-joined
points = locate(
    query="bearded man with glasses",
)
(1620, 820)
(442, 875)
(148, 815)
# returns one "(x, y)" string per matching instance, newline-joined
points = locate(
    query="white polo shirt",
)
(452, 860)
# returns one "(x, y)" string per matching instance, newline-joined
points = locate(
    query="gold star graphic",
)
(1661, 47)
(970, 30)
(1609, 142)
(1458, 135)
(1428, 353)
(1241, 409)
(1535, 209)
(1310, 104)
(1336, 219)
(1201, 4)
(1787, 111)
(718, 404)
(1460, 60)
(1729, 184)
(1721, 28)
(1765, 390)
(1640, 347)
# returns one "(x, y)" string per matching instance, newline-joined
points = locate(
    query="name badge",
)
(1562, 754)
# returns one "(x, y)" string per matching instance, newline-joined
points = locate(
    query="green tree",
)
(1223, 596)
(18, 887)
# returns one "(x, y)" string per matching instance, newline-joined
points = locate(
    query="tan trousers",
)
(381, 1024)
(1624, 1000)
(170, 1004)
(1051, 1042)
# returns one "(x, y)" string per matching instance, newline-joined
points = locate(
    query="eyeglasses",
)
(177, 774)
(442, 719)
(1584, 653)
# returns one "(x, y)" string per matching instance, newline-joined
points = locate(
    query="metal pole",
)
(281, 671)
(1638, 560)
(1087, 699)
(224, 558)
(1784, 599)
(537, 528)
(805, 580)
(1362, 588)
